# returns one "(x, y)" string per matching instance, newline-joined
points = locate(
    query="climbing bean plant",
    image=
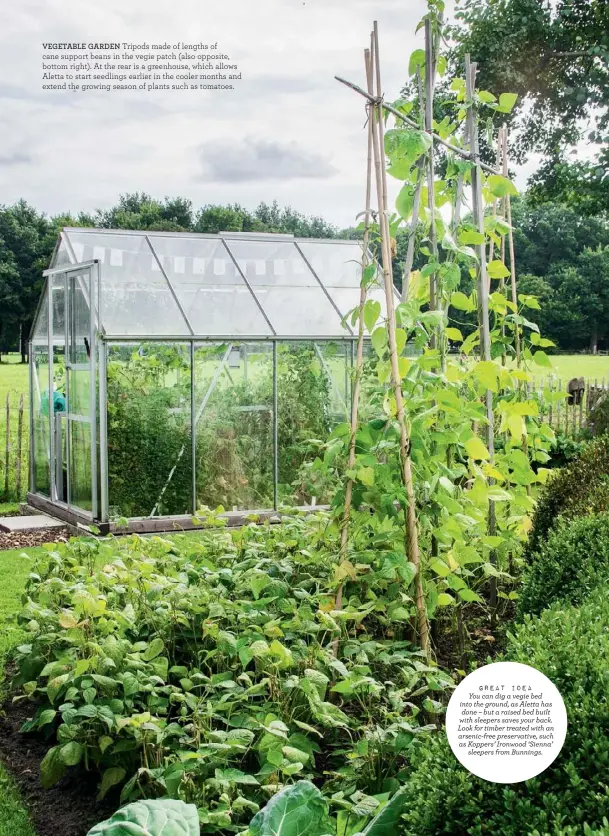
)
(475, 440)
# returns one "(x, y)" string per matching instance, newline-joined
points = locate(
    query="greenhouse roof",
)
(232, 284)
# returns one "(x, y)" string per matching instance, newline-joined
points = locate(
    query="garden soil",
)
(70, 808)
(26, 539)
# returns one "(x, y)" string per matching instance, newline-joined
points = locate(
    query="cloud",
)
(11, 91)
(260, 159)
(8, 160)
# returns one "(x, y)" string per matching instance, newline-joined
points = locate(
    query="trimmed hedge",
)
(578, 490)
(572, 563)
(571, 646)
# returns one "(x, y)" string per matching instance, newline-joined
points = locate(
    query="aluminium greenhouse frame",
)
(70, 430)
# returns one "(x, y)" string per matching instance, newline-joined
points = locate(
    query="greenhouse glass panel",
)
(286, 288)
(347, 299)
(214, 296)
(185, 370)
(135, 296)
(149, 420)
(234, 425)
(336, 264)
(304, 413)
(62, 256)
(40, 332)
(41, 423)
(339, 267)
(81, 484)
(58, 308)
(336, 359)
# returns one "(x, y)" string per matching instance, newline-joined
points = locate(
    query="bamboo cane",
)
(431, 194)
(498, 156)
(416, 204)
(375, 100)
(508, 208)
(412, 536)
(359, 360)
(482, 288)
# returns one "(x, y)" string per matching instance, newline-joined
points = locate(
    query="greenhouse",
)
(175, 371)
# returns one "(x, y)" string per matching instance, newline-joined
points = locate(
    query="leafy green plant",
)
(580, 489)
(566, 448)
(571, 563)
(163, 817)
(204, 668)
(301, 810)
(149, 432)
(600, 416)
(148, 426)
(570, 645)
(295, 811)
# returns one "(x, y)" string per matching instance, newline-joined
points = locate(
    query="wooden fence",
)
(568, 415)
(14, 441)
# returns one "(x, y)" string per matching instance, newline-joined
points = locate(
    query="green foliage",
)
(163, 817)
(205, 668)
(565, 449)
(298, 810)
(565, 85)
(148, 426)
(570, 564)
(600, 416)
(561, 257)
(581, 488)
(571, 647)
(149, 432)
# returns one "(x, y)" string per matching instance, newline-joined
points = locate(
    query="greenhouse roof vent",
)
(259, 236)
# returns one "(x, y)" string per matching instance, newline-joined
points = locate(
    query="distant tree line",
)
(28, 238)
(562, 256)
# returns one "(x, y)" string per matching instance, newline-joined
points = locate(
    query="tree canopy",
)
(555, 55)
(563, 259)
(28, 237)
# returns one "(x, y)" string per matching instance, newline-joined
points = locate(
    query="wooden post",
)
(558, 406)
(498, 158)
(587, 403)
(508, 207)
(412, 534)
(430, 71)
(416, 204)
(482, 288)
(7, 447)
(19, 450)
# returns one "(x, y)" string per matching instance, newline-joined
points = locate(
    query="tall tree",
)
(555, 55)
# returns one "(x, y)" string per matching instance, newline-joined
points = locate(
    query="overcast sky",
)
(288, 132)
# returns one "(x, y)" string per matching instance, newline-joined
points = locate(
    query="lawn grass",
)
(589, 366)
(14, 569)
(13, 383)
(8, 509)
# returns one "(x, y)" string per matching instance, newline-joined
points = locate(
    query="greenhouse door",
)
(78, 449)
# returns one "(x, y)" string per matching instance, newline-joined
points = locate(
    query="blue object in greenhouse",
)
(59, 402)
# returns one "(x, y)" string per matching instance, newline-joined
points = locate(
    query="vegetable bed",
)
(217, 670)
